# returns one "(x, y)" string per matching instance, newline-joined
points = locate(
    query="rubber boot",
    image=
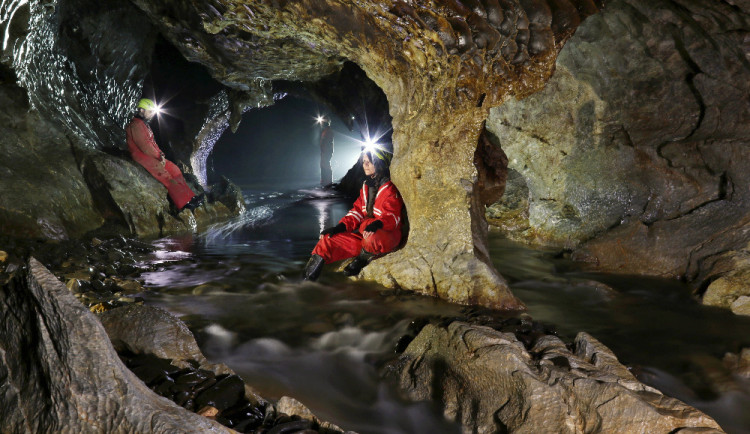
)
(358, 263)
(313, 268)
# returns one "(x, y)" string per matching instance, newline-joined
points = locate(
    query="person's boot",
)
(194, 203)
(358, 263)
(313, 268)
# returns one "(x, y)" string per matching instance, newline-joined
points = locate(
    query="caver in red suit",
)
(146, 152)
(371, 228)
(386, 208)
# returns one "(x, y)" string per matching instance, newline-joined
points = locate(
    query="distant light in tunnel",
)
(320, 119)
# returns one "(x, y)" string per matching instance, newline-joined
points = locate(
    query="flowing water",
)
(238, 287)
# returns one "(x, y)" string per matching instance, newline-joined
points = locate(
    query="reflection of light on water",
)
(251, 218)
(323, 207)
(171, 249)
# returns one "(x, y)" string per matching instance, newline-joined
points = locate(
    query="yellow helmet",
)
(147, 104)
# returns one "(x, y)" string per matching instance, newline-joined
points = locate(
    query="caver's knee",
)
(374, 244)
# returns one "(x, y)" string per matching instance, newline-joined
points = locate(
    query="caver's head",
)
(147, 108)
(376, 160)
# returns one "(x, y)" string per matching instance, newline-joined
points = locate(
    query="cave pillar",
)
(446, 252)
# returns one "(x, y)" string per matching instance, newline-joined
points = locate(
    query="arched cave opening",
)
(279, 145)
(274, 144)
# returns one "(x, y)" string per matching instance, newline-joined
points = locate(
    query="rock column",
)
(445, 254)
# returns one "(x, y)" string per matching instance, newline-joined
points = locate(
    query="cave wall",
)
(28, 144)
(72, 72)
(76, 69)
(635, 153)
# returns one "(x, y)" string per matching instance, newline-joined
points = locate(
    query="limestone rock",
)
(70, 377)
(741, 306)
(43, 192)
(739, 363)
(441, 67)
(292, 407)
(144, 329)
(730, 286)
(636, 150)
(489, 382)
(127, 193)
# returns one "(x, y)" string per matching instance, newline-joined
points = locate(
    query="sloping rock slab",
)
(61, 374)
(151, 330)
(489, 382)
(127, 193)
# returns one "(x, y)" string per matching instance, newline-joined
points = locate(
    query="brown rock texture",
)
(441, 66)
(489, 382)
(69, 377)
(635, 154)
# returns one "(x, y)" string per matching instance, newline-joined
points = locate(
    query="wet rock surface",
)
(127, 194)
(71, 74)
(222, 398)
(634, 154)
(69, 376)
(727, 282)
(44, 194)
(162, 352)
(156, 346)
(489, 380)
(100, 271)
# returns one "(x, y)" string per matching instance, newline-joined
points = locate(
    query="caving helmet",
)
(147, 104)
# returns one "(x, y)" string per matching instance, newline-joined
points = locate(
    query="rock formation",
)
(437, 64)
(490, 382)
(61, 373)
(635, 153)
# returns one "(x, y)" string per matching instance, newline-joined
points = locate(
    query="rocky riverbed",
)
(428, 362)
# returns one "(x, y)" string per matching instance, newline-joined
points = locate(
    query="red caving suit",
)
(387, 209)
(146, 152)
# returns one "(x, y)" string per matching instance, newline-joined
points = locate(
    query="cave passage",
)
(279, 145)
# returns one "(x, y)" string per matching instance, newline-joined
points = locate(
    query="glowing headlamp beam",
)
(320, 120)
(371, 146)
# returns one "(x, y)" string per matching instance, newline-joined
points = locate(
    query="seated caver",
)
(146, 152)
(370, 229)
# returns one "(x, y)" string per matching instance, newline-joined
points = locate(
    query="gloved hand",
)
(374, 226)
(334, 230)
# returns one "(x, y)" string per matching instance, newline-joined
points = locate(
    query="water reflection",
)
(238, 287)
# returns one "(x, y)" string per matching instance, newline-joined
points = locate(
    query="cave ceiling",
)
(487, 49)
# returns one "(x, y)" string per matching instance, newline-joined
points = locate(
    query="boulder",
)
(62, 374)
(127, 193)
(729, 285)
(489, 382)
(142, 329)
(739, 363)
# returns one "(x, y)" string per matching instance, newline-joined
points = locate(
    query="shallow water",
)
(238, 287)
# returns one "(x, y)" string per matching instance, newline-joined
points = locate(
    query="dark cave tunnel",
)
(274, 144)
